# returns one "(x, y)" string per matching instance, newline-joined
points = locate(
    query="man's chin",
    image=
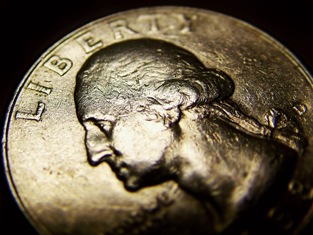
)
(132, 184)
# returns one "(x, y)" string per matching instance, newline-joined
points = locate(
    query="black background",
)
(29, 28)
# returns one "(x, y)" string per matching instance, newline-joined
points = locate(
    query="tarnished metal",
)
(163, 120)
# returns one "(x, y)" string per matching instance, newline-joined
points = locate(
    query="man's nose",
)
(97, 144)
(95, 157)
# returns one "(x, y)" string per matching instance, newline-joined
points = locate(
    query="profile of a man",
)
(154, 112)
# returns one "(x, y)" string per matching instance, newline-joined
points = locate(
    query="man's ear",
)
(97, 144)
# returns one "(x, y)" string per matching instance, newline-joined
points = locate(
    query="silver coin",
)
(163, 120)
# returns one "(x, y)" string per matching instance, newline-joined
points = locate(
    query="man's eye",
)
(106, 126)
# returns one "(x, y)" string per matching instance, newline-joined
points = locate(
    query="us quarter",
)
(163, 120)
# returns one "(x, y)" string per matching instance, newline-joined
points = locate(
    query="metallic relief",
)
(154, 113)
(163, 120)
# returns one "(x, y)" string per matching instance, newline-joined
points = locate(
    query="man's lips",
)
(122, 172)
(118, 166)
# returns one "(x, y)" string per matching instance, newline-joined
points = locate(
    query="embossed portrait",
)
(154, 113)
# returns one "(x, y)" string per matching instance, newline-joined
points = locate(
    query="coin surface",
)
(163, 120)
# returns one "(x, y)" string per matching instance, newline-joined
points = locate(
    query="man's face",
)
(134, 147)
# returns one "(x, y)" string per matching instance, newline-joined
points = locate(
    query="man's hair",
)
(119, 77)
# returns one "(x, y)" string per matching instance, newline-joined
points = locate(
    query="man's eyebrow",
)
(109, 118)
(95, 119)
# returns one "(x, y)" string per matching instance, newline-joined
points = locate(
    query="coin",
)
(163, 120)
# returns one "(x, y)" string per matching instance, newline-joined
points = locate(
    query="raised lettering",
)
(29, 116)
(120, 27)
(249, 61)
(39, 88)
(88, 42)
(300, 109)
(152, 21)
(186, 22)
(300, 189)
(58, 65)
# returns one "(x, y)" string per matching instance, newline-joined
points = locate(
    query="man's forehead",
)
(110, 112)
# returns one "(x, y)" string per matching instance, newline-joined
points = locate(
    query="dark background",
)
(29, 28)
